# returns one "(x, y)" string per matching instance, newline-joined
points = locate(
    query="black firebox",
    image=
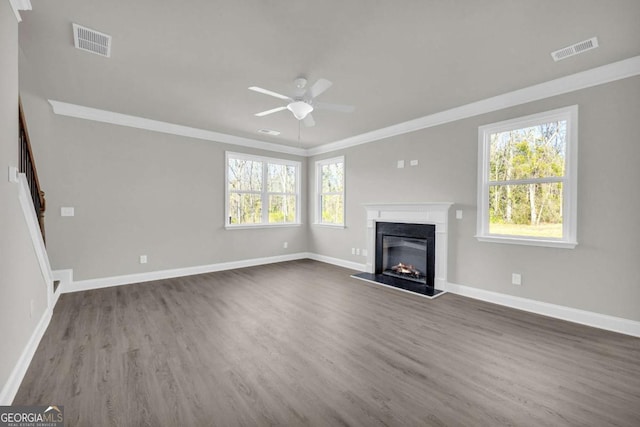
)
(405, 257)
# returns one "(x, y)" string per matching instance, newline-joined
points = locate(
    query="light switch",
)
(459, 214)
(67, 211)
(13, 175)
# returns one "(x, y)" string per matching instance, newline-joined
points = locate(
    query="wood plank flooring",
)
(302, 343)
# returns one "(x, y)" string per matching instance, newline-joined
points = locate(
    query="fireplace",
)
(407, 246)
(406, 251)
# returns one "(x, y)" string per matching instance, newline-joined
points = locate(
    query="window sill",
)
(320, 224)
(251, 227)
(528, 242)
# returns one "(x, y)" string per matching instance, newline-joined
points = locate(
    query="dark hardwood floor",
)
(302, 343)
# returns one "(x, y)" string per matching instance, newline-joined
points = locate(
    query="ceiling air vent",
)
(91, 40)
(269, 132)
(575, 49)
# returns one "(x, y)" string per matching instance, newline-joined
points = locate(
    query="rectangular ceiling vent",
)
(91, 40)
(575, 49)
(269, 132)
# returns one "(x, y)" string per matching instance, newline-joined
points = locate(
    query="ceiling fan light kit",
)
(301, 106)
(300, 109)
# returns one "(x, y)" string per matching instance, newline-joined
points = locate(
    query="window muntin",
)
(527, 180)
(330, 191)
(262, 191)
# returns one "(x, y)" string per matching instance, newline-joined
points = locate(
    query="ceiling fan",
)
(304, 101)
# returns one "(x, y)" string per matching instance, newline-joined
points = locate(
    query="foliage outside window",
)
(330, 191)
(527, 180)
(262, 191)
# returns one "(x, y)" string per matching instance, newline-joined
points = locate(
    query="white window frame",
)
(319, 193)
(264, 194)
(569, 180)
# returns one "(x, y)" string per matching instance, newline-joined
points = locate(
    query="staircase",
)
(27, 166)
(33, 204)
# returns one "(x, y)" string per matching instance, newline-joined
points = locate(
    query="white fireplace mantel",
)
(416, 213)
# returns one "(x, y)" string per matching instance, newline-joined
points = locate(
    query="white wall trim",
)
(95, 114)
(65, 277)
(596, 76)
(67, 286)
(12, 385)
(584, 317)
(596, 320)
(18, 5)
(337, 261)
(106, 282)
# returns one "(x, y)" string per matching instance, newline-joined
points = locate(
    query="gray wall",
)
(601, 275)
(21, 283)
(137, 192)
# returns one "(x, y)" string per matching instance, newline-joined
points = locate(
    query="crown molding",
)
(582, 80)
(18, 5)
(596, 76)
(104, 116)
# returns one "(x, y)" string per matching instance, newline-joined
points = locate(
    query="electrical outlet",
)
(357, 251)
(67, 211)
(285, 245)
(353, 251)
(143, 259)
(413, 163)
(364, 252)
(400, 164)
(459, 214)
(516, 279)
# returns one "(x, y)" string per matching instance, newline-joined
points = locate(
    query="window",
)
(527, 180)
(330, 191)
(262, 191)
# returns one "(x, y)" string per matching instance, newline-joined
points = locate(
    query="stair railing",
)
(27, 166)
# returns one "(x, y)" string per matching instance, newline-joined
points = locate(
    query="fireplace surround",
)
(414, 229)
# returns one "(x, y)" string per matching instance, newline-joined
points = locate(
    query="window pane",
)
(281, 178)
(526, 210)
(245, 208)
(533, 152)
(333, 178)
(282, 209)
(290, 186)
(332, 209)
(245, 175)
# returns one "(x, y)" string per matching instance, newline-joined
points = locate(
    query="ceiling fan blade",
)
(334, 107)
(308, 121)
(269, 92)
(318, 87)
(273, 110)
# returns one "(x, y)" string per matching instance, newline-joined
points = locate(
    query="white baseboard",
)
(337, 261)
(597, 320)
(105, 282)
(12, 385)
(65, 277)
(584, 317)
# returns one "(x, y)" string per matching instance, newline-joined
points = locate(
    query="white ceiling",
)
(190, 62)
